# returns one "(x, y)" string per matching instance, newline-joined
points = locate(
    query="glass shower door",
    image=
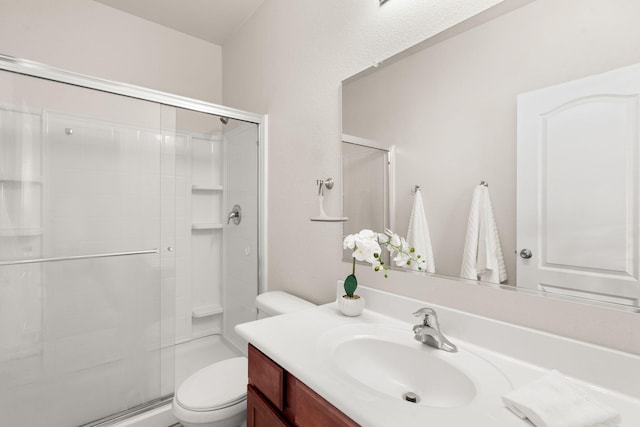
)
(241, 244)
(85, 274)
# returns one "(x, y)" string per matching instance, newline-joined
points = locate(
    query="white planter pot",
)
(351, 306)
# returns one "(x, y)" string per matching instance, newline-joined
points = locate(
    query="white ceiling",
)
(211, 20)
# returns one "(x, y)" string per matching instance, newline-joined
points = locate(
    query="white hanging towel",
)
(418, 235)
(482, 258)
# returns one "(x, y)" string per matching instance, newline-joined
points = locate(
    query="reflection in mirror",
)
(450, 107)
(366, 186)
(577, 191)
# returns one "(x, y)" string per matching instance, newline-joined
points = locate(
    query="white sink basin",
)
(389, 361)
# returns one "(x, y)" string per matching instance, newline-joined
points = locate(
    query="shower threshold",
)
(127, 418)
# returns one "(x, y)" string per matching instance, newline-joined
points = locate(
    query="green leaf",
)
(350, 285)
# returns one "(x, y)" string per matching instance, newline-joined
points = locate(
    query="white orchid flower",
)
(401, 259)
(377, 264)
(395, 240)
(403, 254)
(367, 246)
(358, 239)
(367, 250)
(383, 238)
(349, 242)
(367, 235)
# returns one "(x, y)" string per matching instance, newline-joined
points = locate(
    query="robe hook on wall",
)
(328, 183)
(484, 183)
(415, 189)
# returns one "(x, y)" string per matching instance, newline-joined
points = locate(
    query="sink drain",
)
(411, 397)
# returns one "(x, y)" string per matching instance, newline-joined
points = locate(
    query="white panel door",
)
(578, 187)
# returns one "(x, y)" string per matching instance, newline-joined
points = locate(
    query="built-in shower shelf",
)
(206, 333)
(206, 311)
(206, 188)
(206, 226)
(20, 232)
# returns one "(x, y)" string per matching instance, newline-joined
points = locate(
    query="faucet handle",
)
(427, 311)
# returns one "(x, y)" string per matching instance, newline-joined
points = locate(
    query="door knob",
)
(525, 254)
(235, 215)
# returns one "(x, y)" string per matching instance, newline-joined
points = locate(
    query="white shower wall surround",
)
(87, 329)
(203, 194)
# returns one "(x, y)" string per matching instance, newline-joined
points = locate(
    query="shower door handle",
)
(77, 257)
(235, 215)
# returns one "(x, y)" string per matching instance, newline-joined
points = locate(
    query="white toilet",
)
(216, 396)
(275, 303)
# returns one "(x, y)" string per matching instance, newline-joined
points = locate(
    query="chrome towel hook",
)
(326, 183)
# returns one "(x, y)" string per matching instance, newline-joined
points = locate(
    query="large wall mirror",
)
(539, 101)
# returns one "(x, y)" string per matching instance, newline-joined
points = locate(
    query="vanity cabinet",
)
(260, 413)
(275, 398)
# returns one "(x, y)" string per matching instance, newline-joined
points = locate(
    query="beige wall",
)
(289, 61)
(90, 38)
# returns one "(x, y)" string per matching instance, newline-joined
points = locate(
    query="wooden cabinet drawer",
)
(260, 413)
(267, 376)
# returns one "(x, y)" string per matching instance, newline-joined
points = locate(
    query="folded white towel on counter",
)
(418, 235)
(482, 258)
(556, 401)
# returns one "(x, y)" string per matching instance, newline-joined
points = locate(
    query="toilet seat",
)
(215, 387)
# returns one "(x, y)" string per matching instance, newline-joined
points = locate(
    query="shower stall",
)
(130, 239)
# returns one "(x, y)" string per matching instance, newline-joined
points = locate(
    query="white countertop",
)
(295, 342)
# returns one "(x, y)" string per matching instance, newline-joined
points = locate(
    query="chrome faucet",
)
(429, 332)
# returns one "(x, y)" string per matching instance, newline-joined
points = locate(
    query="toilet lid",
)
(216, 386)
(274, 303)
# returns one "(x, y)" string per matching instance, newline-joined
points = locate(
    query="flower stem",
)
(354, 266)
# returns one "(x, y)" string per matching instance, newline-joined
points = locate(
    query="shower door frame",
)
(39, 70)
(43, 71)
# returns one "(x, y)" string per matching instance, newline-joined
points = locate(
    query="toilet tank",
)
(274, 303)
